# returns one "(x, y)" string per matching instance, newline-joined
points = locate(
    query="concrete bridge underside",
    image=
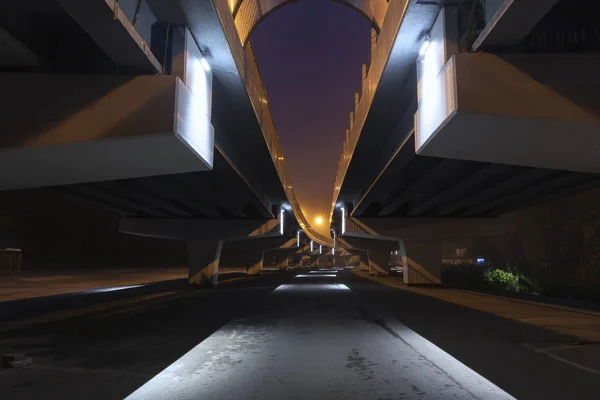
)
(248, 14)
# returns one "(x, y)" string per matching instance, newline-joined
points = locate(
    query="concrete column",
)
(378, 249)
(205, 240)
(249, 251)
(279, 255)
(364, 257)
(204, 257)
(422, 262)
(314, 258)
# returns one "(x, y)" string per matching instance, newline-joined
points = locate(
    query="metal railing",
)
(381, 47)
(249, 72)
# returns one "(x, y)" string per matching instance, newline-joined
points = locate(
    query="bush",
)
(504, 281)
(509, 281)
(477, 277)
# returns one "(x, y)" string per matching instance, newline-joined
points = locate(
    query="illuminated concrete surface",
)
(277, 337)
(316, 340)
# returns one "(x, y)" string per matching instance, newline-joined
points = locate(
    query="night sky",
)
(310, 54)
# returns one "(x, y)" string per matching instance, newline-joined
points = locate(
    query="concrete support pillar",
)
(204, 257)
(250, 251)
(422, 262)
(364, 257)
(205, 240)
(378, 250)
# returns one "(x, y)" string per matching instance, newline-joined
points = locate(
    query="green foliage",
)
(504, 281)
(509, 281)
(477, 277)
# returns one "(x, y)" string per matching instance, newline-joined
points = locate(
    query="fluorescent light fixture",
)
(312, 246)
(316, 276)
(343, 220)
(111, 289)
(425, 46)
(309, 287)
(205, 64)
(298, 239)
(320, 249)
(323, 272)
(281, 216)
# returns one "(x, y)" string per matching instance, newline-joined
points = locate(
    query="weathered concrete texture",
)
(249, 253)
(379, 250)
(422, 262)
(311, 340)
(289, 350)
(278, 258)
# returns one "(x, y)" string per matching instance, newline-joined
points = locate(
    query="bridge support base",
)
(363, 255)
(204, 258)
(378, 250)
(278, 257)
(422, 262)
(205, 240)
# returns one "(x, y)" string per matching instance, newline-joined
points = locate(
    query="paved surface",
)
(288, 337)
(28, 285)
(580, 324)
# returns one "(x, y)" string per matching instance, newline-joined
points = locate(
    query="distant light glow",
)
(480, 260)
(319, 220)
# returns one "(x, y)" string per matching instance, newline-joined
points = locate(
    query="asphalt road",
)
(329, 335)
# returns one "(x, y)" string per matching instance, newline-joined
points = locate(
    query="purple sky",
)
(310, 54)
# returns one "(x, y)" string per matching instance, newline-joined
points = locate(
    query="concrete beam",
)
(204, 239)
(513, 110)
(13, 53)
(62, 129)
(434, 229)
(511, 23)
(198, 229)
(441, 171)
(249, 13)
(249, 251)
(492, 193)
(460, 189)
(106, 23)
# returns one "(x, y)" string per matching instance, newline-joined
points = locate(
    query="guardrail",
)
(250, 74)
(381, 47)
